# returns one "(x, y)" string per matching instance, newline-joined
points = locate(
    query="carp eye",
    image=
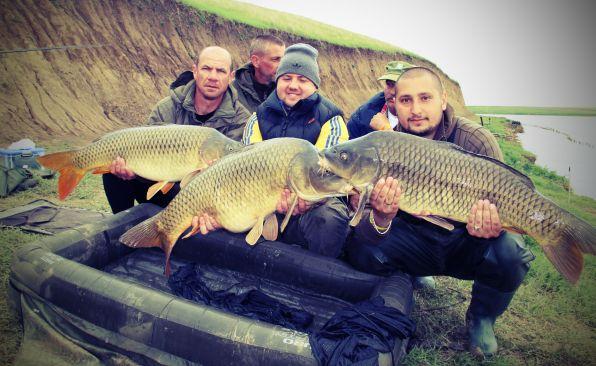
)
(343, 156)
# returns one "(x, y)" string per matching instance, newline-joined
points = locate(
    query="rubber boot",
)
(426, 283)
(487, 304)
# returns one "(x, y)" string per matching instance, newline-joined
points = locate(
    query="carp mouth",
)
(324, 169)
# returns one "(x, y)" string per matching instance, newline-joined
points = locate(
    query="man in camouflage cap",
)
(379, 112)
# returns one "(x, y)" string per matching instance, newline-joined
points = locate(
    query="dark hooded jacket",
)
(179, 108)
(359, 123)
(244, 83)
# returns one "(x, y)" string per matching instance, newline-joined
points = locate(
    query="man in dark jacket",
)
(295, 109)
(201, 97)
(256, 80)
(481, 251)
(379, 113)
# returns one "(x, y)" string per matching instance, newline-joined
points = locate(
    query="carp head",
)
(307, 180)
(354, 160)
(218, 146)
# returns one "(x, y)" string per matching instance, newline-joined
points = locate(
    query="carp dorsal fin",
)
(524, 178)
(255, 233)
(514, 230)
(270, 227)
(437, 220)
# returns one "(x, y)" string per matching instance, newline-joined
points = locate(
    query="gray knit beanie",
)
(301, 59)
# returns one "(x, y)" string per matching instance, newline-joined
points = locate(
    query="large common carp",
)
(445, 180)
(241, 192)
(164, 154)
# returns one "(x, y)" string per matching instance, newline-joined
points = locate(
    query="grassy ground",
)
(550, 111)
(264, 18)
(548, 323)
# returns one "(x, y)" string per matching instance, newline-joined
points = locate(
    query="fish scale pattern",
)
(237, 190)
(444, 180)
(166, 152)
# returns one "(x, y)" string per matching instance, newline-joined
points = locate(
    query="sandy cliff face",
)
(82, 68)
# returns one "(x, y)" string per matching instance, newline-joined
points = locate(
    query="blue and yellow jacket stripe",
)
(315, 119)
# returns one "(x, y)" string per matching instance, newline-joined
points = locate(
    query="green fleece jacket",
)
(244, 84)
(179, 108)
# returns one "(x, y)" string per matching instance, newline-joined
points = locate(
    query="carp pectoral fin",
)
(270, 227)
(255, 233)
(195, 229)
(364, 197)
(188, 177)
(567, 259)
(289, 213)
(101, 170)
(437, 220)
(166, 188)
(152, 191)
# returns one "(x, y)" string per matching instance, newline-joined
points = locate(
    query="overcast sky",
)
(502, 52)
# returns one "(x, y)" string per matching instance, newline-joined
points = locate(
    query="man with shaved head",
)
(201, 97)
(422, 245)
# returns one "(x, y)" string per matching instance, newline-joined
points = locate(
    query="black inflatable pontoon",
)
(107, 299)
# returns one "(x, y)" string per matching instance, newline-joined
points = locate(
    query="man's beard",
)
(421, 133)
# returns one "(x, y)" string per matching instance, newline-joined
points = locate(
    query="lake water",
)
(564, 144)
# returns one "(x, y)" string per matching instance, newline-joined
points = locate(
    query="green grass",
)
(88, 194)
(549, 321)
(264, 18)
(549, 111)
(10, 329)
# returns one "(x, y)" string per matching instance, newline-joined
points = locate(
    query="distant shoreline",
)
(547, 111)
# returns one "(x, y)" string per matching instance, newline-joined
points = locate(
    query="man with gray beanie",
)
(297, 110)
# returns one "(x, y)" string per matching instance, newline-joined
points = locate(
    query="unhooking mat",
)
(44, 217)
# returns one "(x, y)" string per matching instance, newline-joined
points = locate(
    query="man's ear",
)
(194, 70)
(444, 100)
(254, 60)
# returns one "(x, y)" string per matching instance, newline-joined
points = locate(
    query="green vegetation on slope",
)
(547, 111)
(264, 18)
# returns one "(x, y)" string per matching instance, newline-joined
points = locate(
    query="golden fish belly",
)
(237, 190)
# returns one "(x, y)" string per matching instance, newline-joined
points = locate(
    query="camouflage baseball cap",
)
(394, 69)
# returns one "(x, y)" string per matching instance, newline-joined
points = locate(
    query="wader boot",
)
(425, 283)
(486, 305)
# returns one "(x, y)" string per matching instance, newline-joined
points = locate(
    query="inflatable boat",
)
(84, 296)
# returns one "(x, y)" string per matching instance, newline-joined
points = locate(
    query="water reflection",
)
(565, 144)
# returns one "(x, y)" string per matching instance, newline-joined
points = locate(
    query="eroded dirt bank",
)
(106, 63)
